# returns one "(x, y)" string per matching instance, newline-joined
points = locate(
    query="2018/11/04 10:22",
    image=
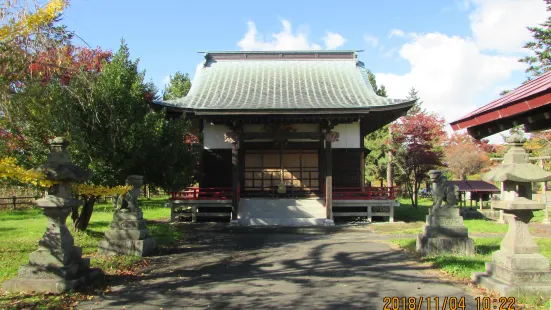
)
(445, 303)
(428, 303)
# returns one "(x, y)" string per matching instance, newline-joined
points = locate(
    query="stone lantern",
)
(57, 265)
(517, 268)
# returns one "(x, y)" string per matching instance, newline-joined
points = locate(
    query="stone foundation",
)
(128, 235)
(445, 234)
(36, 280)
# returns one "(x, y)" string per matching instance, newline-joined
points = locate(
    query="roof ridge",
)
(283, 52)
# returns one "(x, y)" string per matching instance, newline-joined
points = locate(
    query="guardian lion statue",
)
(128, 202)
(444, 195)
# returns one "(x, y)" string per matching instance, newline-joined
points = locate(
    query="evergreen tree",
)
(540, 62)
(177, 87)
(413, 95)
(377, 161)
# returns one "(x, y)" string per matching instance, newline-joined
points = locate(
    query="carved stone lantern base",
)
(57, 265)
(517, 268)
(445, 233)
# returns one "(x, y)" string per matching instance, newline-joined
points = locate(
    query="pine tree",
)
(540, 62)
(416, 108)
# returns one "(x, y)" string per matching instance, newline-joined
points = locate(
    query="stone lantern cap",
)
(515, 166)
(59, 167)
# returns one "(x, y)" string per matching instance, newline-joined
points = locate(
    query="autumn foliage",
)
(67, 61)
(416, 143)
(465, 155)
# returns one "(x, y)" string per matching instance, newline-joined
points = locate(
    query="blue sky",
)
(458, 53)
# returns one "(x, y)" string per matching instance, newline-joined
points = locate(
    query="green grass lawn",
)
(462, 267)
(414, 219)
(21, 230)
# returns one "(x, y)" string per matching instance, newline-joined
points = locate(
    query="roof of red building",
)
(533, 87)
(508, 104)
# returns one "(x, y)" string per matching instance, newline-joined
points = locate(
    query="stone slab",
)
(520, 277)
(510, 290)
(57, 257)
(445, 212)
(438, 246)
(127, 247)
(520, 203)
(446, 232)
(285, 222)
(17, 285)
(127, 234)
(520, 262)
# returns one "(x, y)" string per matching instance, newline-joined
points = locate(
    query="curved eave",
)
(405, 106)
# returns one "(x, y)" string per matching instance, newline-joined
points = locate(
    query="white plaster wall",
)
(213, 136)
(349, 136)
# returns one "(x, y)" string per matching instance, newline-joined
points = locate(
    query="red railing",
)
(365, 193)
(202, 193)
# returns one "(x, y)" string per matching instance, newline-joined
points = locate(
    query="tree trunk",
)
(81, 221)
(416, 186)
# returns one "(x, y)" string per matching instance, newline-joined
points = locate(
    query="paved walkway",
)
(223, 268)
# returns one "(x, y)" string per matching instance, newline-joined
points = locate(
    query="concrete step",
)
(281, 208)
(288, 222)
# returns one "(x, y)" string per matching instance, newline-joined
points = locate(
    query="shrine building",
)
(283, 131)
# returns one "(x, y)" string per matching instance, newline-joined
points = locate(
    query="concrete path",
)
(301, 268)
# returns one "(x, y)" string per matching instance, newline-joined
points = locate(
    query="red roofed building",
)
(528, 105)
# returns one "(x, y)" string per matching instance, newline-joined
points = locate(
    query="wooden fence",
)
(14, 201)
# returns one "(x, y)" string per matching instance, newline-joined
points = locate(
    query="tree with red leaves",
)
(66, 61)
(465, 155)
(416, 141)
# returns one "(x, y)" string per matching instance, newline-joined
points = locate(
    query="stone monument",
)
(444, 232)
(57, 265)
(517, 268)
(128, 233)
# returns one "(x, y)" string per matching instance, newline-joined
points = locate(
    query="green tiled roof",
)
(284, 84)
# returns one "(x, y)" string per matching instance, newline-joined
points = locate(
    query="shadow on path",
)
(237, 268)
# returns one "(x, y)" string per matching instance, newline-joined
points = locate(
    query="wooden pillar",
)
(389, 172)
(235, 178)
(480, 201)
(234, 138)
(362, 166)
(328, 181)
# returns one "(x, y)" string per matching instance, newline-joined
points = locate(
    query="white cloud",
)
(396, 33)
(500, 25)
(371, 40)
(455, 75)
(333, 40)
(450, 73)
(284, 40)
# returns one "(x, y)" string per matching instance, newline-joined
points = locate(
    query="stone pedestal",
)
(57, 265)
(517, 268)
(127, 235)
(444, 233)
